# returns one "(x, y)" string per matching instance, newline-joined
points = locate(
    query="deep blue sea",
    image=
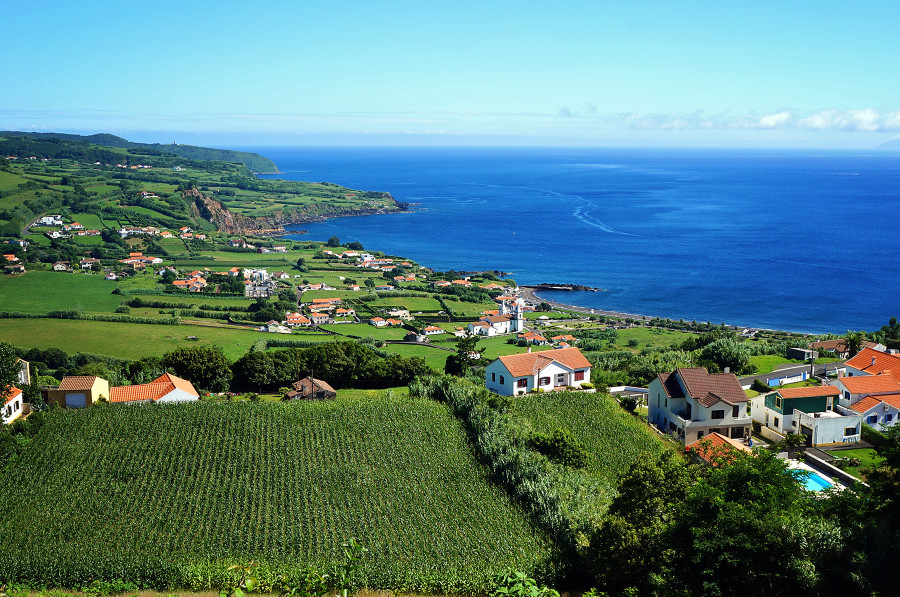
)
(795, 240)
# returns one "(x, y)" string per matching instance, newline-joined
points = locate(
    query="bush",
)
(587, 386)
(759, 386)
(560, 447)
(757, 426)
(629, 403)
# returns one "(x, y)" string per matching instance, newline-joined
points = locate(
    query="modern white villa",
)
(692, 403)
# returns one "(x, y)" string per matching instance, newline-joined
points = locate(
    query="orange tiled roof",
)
(530, 363)
(870, 384)
(716, 447)
(874, 361)
(77, 382)
(14, 393)
(809, 392)
(154, 390)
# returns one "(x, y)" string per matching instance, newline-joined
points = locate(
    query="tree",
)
(544, 307)
(466, 349)
(370, 283)
(854, 342)
(301, 262)
(333, 242)
(204, 366)
(9, 369)
(355, 246)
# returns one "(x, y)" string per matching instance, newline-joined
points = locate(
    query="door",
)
(76, 400)
(561, 379)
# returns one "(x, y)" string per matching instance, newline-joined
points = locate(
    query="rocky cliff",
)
(272, 225)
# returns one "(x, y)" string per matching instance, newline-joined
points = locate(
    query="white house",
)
(692, 403)
(854, 389)
(432, 330)
(872, 362)
(521, 373)
(61, 266)
(878, 412)
(166, 388)
(810, 411)
(509, 319)
(13, 406)
(51, 220)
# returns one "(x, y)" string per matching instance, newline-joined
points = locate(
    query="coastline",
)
(531, 295)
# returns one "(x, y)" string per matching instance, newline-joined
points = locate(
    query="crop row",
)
(169, 496)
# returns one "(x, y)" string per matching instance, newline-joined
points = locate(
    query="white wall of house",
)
(671, 415)
(881, 416)
(13, 409)
(178, 395)
(499, 379)
(829, 428)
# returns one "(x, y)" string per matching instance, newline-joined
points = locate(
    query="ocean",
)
(793, 240)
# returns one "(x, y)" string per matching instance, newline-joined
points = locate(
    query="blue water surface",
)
(801, 241)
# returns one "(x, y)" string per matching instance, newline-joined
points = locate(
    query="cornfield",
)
(170, 496)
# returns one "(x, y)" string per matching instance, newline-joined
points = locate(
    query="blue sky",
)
(690, 73)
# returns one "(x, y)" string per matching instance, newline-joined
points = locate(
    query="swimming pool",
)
(810, 479)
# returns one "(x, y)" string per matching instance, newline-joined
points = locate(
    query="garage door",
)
(76, 400)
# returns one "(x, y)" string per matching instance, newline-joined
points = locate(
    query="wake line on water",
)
(586, 218)
(579, 213)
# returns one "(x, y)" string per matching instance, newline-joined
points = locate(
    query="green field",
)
(169, 496)
(434, 357)
(614, 438)
(410, 303)
(365, 330)
(130, 340)
(42, 291)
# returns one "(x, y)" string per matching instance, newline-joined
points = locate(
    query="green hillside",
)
(254, 161)
(169, 496)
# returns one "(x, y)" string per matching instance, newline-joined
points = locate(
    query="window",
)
(872, 419)
(735, 411)
(579, 376)
(849, 431)
(777, 401)
(502, 381)
(493, 377)
(522, 383)
(776, 423)
(888, 418)
(718, 414)
(544, 381)
(699, 434)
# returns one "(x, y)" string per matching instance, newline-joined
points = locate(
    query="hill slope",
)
(254, 161)
(171, 495)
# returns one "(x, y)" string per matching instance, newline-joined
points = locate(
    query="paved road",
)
(786, 370)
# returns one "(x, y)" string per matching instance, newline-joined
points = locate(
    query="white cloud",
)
(867, 120)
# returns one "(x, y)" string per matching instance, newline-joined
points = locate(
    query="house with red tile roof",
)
(854, 389)
(872, 362)
(813, 412)
(433, 330)
(166, 388)
(716, 450)
(78, 391)
(691, 403)
(297, 320)
(878, 412)
(378, 322)
(552, 370)
(13, 406)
